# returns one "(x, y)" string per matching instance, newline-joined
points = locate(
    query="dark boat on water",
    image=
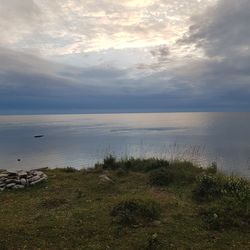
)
(38, 136)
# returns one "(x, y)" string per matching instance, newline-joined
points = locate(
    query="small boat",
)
(38, 136)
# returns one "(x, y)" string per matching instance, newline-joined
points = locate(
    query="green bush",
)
(69, 170)
(214, 186)
(226, 212)
(109, 162)
(229, 201)
(161, 177)
(135, 211)
(208, 187)
(132, 164)
(178, 172)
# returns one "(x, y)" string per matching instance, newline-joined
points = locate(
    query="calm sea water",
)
(82, 140)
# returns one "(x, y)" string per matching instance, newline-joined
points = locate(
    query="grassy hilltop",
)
(129, 204)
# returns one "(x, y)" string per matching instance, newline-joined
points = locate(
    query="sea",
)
(81, 140)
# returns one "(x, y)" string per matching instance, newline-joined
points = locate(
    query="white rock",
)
(3, 175)
(18, 187)
(34, 178)
(22, 173)
(105, 178)
(23, 181)
(11, 185)
(37, 181)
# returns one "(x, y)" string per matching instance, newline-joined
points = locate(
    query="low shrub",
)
(178, 172)
(227, 212)
(132, 164)
(69, 170)
(153, 243)
(161, 177)
(109, 162)
(229, 201)
(214, 186)
(51, 203)
(134, 212)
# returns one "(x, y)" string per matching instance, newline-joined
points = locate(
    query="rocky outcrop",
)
(20, 179)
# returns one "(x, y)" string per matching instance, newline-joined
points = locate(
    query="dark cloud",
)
(207, 70)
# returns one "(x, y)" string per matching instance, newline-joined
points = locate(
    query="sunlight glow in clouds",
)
(157, 54)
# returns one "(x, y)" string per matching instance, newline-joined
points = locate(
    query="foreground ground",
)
(73, 211)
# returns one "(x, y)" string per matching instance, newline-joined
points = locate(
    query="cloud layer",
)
(103, 55)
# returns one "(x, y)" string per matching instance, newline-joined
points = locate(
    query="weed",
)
(134, 212)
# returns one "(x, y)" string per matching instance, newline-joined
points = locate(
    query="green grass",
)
(74, 210)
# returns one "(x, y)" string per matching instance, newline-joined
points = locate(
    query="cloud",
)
(141, 55)
(74, 26)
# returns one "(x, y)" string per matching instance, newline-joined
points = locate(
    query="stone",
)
(105, 178)
(37, 181)
(34, 178)
(39, 173)
(8, 181)
(18, 187)
(22, 173)
(3, 175)
(11, 185)
(23, 181)
(12, 173)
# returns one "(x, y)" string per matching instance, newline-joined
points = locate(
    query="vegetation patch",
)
(132, 164)
(229, 201)
(161, 177)
(210, 187)
(198, 209)
(135, 212)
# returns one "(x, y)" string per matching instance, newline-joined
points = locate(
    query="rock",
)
(105, 178)
(37, 181)
(23, 181)
(12, 173)
(11, 185)
(8, 181)
(22, 173)
(34, 178)
(20, 179)
(3, 175)
(39, 173)
(18, 187)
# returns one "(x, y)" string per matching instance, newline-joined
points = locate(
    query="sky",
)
(91, 56)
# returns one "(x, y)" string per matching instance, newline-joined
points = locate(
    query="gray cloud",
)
(208, 69)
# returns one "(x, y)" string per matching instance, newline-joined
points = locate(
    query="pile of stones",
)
(20, 179)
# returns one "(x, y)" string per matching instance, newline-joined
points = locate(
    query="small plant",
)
(109, 162)
(208, 187)
(135, 212)
(227, 212)
(69, 170)
(215, 186)
(121, 172)
(52, 203)
(161, 177)
(153, 242)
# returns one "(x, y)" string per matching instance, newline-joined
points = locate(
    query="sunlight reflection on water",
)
(82, 140)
